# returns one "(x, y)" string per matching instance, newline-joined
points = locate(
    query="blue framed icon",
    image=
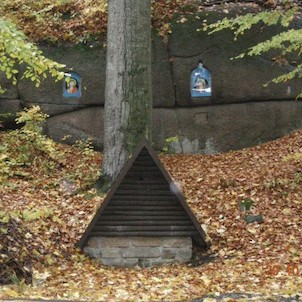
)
(72, 85)
(201, 82)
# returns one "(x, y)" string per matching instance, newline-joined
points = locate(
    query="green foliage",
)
(287, 42)
(167, 149)
(242, 23)
(246, 204)
(30, 215)
(85, 146)
(29, 154)
(6, 164)
(16, 50)
(26, 215)
(31, 133)
(22, 145)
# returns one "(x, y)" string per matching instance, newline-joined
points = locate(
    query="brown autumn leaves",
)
(54, 206)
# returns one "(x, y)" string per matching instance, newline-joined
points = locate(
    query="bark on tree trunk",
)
(128, 95)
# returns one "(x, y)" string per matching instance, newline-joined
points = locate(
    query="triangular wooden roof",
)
(144, 202)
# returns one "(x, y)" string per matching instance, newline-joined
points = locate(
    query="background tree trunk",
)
(128, 95)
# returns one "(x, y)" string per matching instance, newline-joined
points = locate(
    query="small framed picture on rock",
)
(72, 85)
(201, 82)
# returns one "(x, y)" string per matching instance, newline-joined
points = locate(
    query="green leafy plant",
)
(15, 50)
(168, 147)
(5, 163)
(287, 42)
(21, 146)
(86, 147)
(246, 204)
(32, 135)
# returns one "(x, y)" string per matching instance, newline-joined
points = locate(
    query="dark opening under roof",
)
(144, 202)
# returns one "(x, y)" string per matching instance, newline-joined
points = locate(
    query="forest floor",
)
(82, 21)
(50, 205)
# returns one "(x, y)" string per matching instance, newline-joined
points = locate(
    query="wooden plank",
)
(144, 198)
(144, 234)
(143, 222)
(127, 208)
(144, 153)
(123, 228)
(149, 181)
(144, 185)
(142, 218)
(143, 213)
(144, 162)
(139, 168)
(144, 203)
(143, 192)
(146, 173)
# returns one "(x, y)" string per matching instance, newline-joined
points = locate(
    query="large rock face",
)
(241, 112)
(207, 129)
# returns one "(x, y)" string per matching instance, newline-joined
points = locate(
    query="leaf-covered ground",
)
(52, 203)
(86, 20)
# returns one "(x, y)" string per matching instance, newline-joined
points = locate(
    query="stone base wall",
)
(142, 251)
(201, 129)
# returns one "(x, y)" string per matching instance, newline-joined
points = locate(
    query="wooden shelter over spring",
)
(144, 218)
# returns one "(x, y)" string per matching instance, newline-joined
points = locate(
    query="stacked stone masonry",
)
(142, 251)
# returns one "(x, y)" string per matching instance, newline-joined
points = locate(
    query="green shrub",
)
(168, 148)
(21, 147)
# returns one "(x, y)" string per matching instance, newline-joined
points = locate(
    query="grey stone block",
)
(162, 81)
(141, 252)
(11, 90)
(94, 242)
(256, 122)
(185, 242)
(146, 241)
(8, 110)
(254, 218)
(92, 252)
(111, 253)
(115, 242)
(128, 252)
(10, 105)
(184, 255)
(78, 125)
(168, 253)
(56, 109)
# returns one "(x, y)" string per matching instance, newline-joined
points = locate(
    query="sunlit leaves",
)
(242, 23)
(16, 50)
(286, 42)
(21, 145)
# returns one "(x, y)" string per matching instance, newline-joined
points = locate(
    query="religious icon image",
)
(201, 82)
(201, 85)
(72, 85)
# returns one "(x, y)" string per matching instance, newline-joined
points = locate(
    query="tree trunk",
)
(128, 95)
